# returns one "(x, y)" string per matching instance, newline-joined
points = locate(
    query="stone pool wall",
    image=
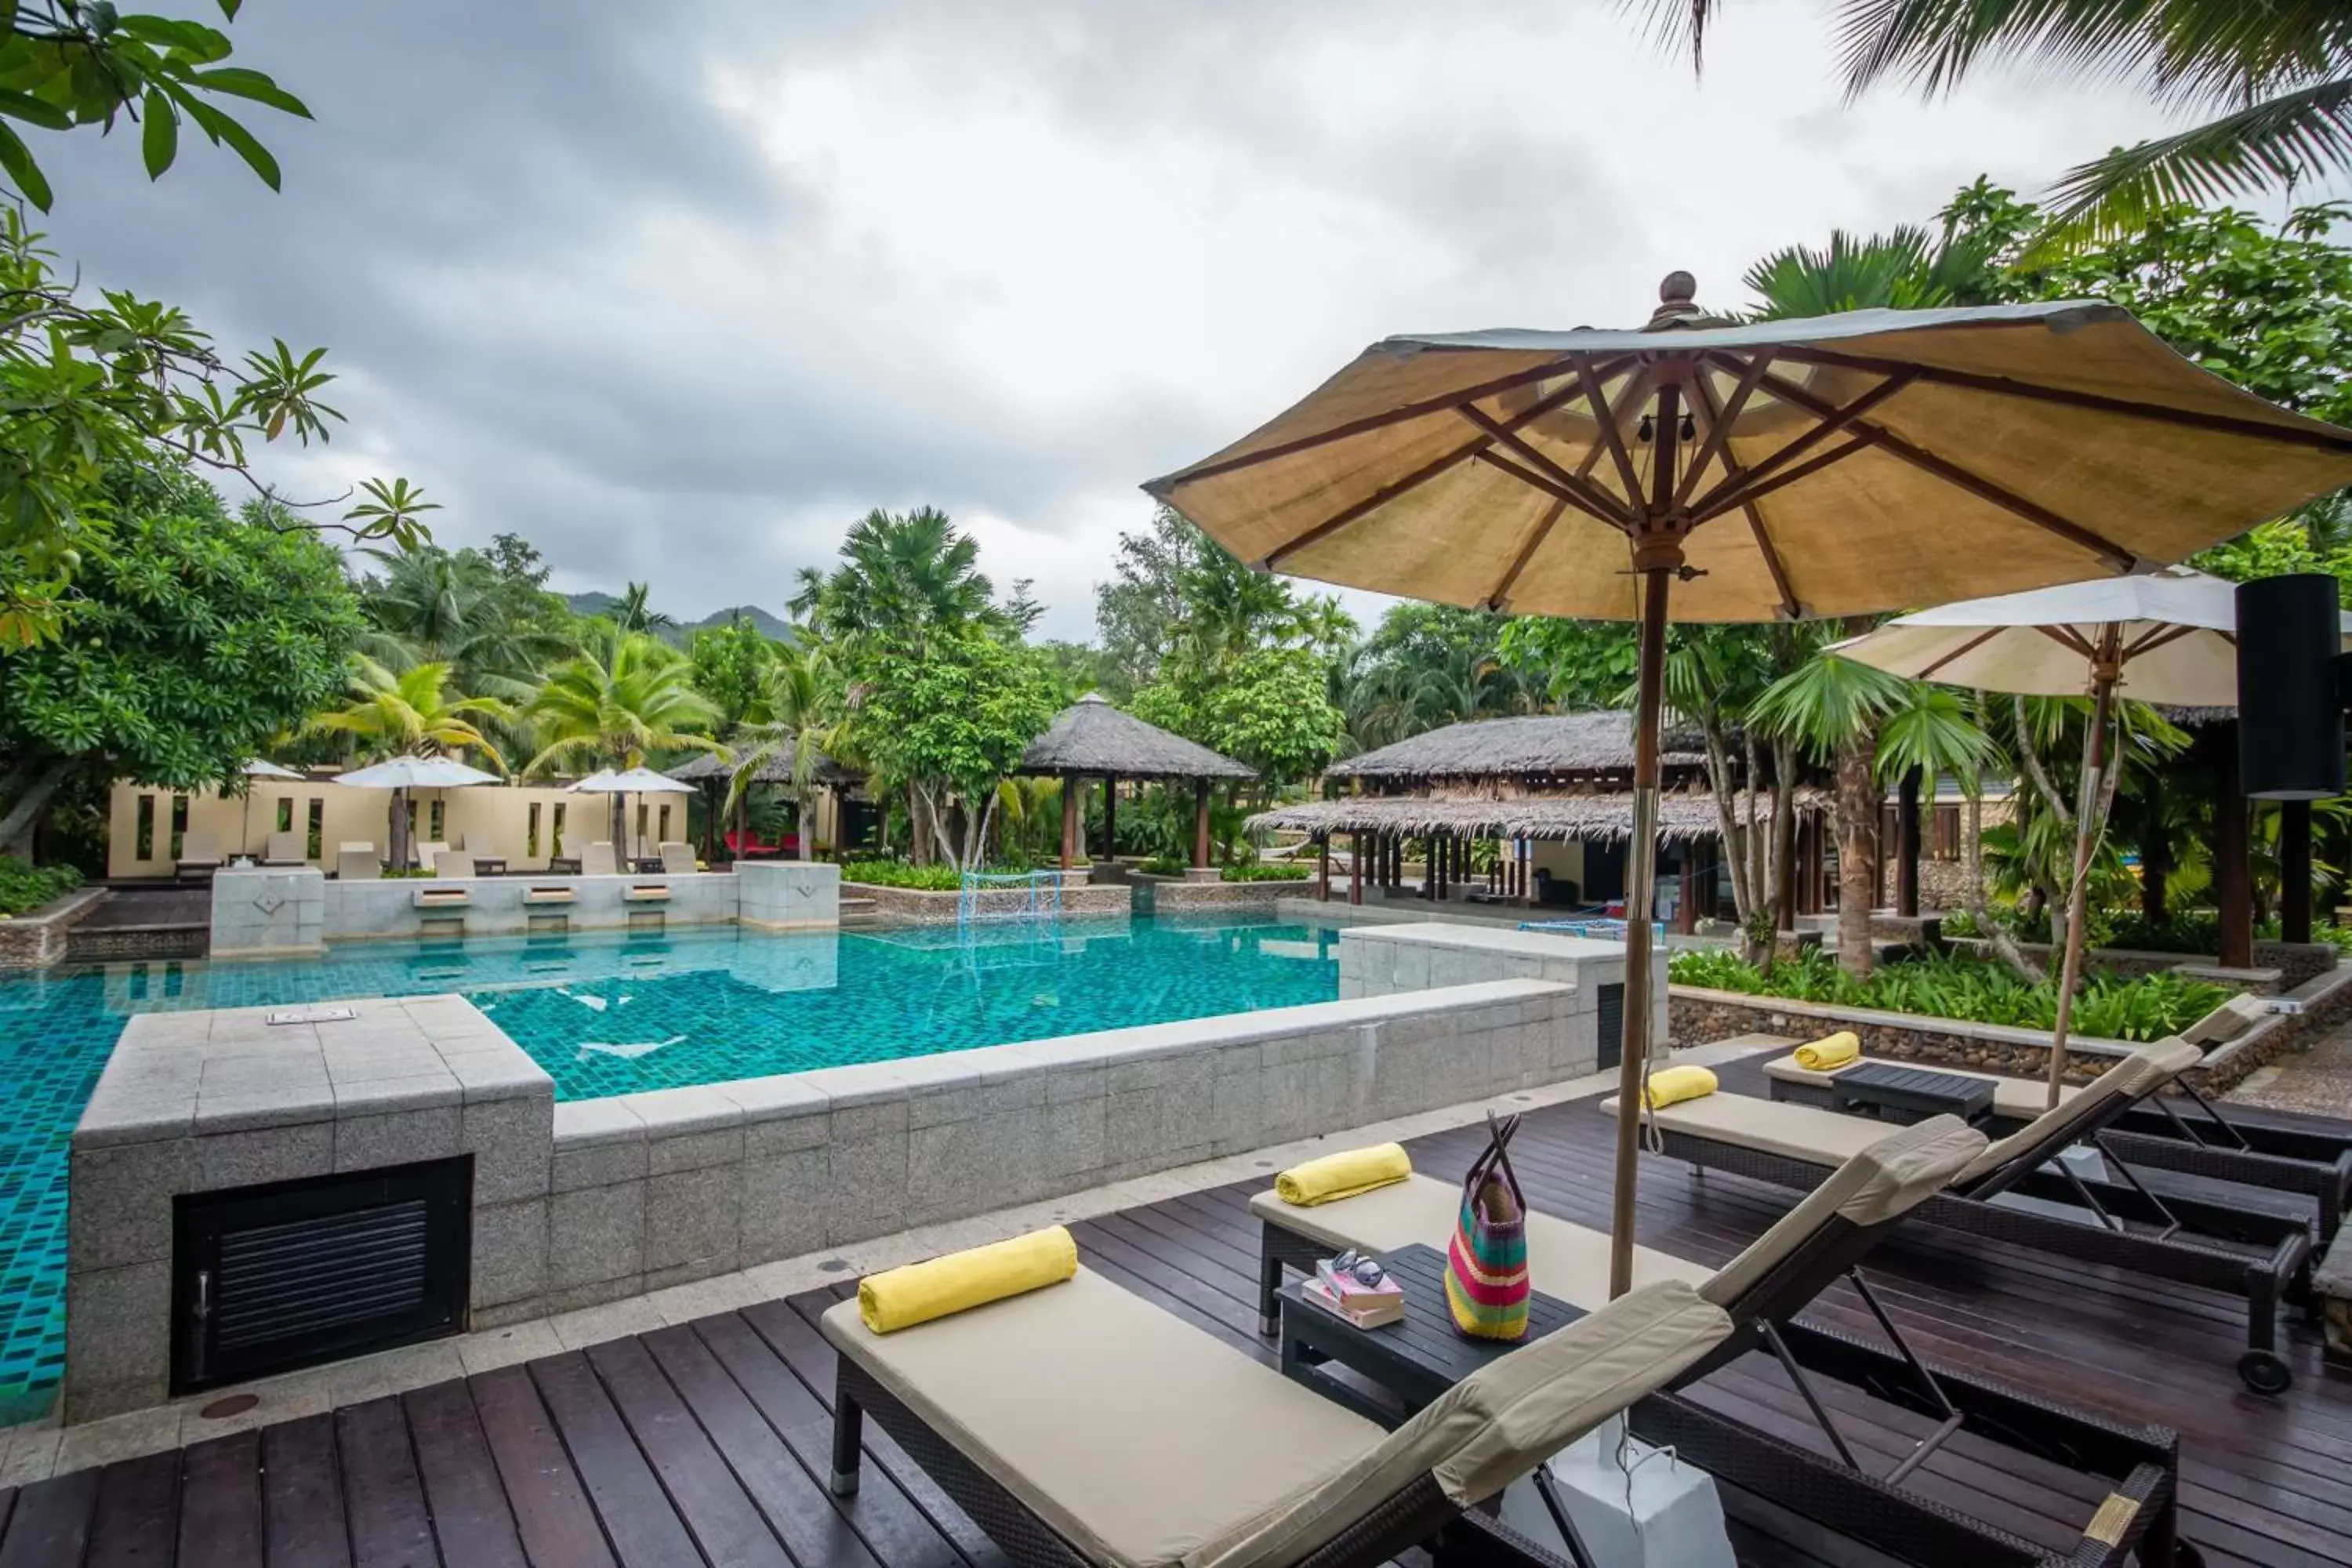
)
(1387, 960)
(296, 910)
(1181, 896)
(595, 1200)
(922, 907)
(37, 938)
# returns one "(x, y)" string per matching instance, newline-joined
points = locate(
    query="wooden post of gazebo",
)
(1199, 822)
(1355, 868)
(1685, 889)
(1907, 846)
(1110, 818)
(1322, 867)
(1072, 808)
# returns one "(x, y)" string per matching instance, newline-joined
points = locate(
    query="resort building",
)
(1539, 810)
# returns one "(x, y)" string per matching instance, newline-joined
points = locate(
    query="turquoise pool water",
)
(609, 1013)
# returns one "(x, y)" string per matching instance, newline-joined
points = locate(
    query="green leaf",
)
(221, 128)
(239, 82)
(25, 174)
(24, 106)
(199, 43)
(159, 138)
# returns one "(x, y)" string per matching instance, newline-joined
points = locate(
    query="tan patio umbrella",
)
(2166, 637)
(1858, 462)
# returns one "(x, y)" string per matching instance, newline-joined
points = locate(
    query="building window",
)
(1948, 833)
(145, 846)
(530, 833)
(314, 844)
(435, 817)
(641, 821)
(663, 837)
(555, 843)
(284, 814)
(179, 823)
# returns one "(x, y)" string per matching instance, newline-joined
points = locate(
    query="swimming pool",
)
(610, 1013)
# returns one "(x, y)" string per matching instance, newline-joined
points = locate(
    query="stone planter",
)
(36, 939)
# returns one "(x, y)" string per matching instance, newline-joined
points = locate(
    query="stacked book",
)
(1343, 1295)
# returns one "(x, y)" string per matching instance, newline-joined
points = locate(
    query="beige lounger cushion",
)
(1771, 1126)
(2014, 1099)
(288, 847)
(1567, 1261)
(597, 860)
(1503, 1420)
(1138, 1438)
(2138, 1075)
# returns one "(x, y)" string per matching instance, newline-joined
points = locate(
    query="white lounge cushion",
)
(1138, 1438)
(1567, 1261)
(1794, 1132)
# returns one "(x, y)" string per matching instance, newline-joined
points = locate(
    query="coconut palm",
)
(624, 696)
(796, 716)
(411, 712)
(461, 611)
(633, 611)
(2276, 78)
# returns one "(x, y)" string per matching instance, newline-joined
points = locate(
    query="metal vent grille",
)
(279, 1281)
(1613, 1025)
(294, 1273)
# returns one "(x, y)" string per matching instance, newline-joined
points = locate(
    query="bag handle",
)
(1494, 1157)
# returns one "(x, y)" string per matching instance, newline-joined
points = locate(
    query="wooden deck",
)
(707, 1444)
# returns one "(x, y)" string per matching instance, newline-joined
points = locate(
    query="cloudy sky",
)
(677, 291)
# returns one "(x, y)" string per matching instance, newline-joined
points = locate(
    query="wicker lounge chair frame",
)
(2142, 1464)
(2264, 1258)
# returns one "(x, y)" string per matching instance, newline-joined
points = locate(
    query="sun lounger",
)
(2154, 1135)
(677, 859)
(200, 855)
(357, 863)
(1823, 1238)
(596, 860)
(449, 863)
(287, 848)
(2263, 1257)
(1080, 1424)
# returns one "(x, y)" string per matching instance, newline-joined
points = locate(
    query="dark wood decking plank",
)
(8, 1509)
(726, 1524)
(793, 1501)
(137, 1513)
(552, 1516)
(220, 1503)
(639, 1520)
(891, 1524)
(383, 1498)
(302, 1495)
(52, 1522)
(471, 1517)
(789, 1328)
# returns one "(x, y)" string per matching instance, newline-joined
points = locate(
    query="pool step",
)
(856, 913)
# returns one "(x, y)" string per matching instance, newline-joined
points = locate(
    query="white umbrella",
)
(2166, 637)
(258, 769)
(402, 774)
(630, 781)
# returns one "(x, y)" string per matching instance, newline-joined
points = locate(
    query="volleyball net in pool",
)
(1031, 896)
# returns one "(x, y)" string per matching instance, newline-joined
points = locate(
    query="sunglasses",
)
(1362, 1269)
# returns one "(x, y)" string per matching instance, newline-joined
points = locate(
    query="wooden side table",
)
(1905, 1095)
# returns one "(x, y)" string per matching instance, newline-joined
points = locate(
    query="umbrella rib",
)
(1165, 488)
(1536, 536)
(1418, 477)
(1857, 440)
(1960, 652)
(1607, 418)
(1538, 481)
(2156, 637)
(2070, 639)
(1586, 494)
(1719, 419)
(1719, 423)
(2330, 440)
(1951, 473)
(1831, 421)
(1637, 390)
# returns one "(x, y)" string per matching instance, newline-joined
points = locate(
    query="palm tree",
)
(900, 578)
(626, 695)
(2276, 78)
(797, 716)
(633, 612)
(459, 610)
(412, 713)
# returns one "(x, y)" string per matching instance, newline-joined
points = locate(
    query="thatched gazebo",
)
(711, 773)
(1557, 779)
(1091, 739)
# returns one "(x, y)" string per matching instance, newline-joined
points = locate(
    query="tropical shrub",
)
(2109, 1007)
(934, 879)
(1267, 871)
(24, 887)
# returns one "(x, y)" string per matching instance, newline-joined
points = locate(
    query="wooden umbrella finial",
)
(1676, 302)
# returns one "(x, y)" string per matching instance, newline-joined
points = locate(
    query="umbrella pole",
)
(1641, 877)
(2105, 670)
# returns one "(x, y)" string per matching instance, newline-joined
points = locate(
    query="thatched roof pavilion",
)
(1092, 738)
(777, 770)
(1534, 750)
(1599, 818)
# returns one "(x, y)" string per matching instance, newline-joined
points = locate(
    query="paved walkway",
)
(2317, 1081)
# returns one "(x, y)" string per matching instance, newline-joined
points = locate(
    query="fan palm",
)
(900, 578)
(2276, 78)
(624, 696)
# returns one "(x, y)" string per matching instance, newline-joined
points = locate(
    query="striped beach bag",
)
(1487, 1283)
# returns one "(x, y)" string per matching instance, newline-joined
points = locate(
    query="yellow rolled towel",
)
(1672, 1084)
(1343, 1175)
(901, 1298)
(1830, 1052)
